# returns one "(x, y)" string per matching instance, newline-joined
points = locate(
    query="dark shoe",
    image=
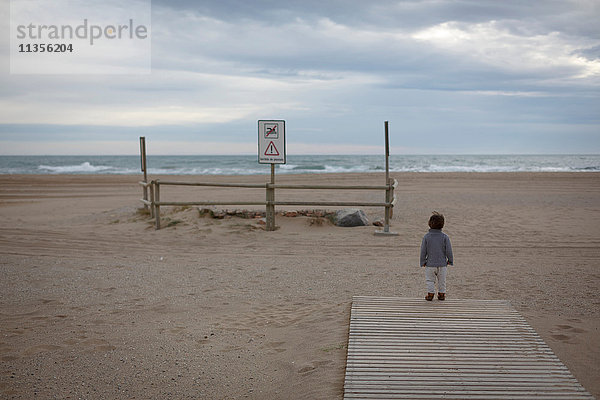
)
(441, 296)
(429, 296)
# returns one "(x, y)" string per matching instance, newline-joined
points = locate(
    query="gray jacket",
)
(436, 250)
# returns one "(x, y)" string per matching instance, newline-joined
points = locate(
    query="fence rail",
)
(215, 184)
(155, 201)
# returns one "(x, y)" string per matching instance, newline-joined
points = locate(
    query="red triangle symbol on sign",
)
(271, 150)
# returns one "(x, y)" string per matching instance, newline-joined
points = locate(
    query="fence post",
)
(388, 200)
(152, 205)
(157, 203)
(393, 184)
(143, 166)
(389, 191)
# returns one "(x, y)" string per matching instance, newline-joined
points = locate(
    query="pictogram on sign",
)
(271, 131)
(271, 150)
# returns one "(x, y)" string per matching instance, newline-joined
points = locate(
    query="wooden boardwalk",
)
(401, 348)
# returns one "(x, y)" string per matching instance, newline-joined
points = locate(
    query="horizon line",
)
(301, 154)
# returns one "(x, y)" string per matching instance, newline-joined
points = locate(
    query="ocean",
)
(298, 164)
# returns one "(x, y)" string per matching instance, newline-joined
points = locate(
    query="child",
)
(436, 255)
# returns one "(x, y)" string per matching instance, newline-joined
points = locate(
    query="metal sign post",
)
(271, 150)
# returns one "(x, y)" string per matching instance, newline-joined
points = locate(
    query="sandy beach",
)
(97, 304)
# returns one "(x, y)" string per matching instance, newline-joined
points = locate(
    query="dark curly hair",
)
(436, 221)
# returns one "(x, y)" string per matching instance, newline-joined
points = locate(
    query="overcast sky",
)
(457, 77)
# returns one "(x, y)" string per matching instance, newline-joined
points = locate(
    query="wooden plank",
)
(215, 184)
(329, 203)
(498, 394)
(210, 203)
(331, 187)
(400, 396)
(489, 380)
(458, 349)
(433, 359)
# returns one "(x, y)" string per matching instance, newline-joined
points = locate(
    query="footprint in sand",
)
(277, 346)
(310, 368)
(97, 345)
(178, 329)
(40, 348)
(562, 338)
(570, 328)
(565, 333)
(307, 369)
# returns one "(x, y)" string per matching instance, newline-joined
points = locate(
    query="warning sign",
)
(271, 142)
(271, 150)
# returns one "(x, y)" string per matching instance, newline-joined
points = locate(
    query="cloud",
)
(459, 76)
(491, 43)
(498, 55)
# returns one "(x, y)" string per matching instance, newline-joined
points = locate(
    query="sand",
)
(96, 304)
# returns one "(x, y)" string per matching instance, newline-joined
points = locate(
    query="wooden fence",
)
(155, 202)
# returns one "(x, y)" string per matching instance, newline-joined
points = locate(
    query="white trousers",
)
(431, 273)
